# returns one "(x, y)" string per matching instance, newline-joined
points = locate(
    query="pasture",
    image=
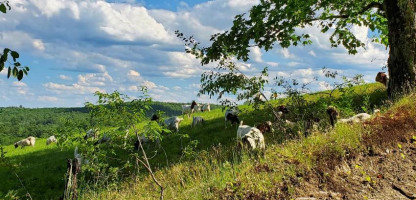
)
(200, 161)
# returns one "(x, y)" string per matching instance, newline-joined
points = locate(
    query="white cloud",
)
(64, 77)
(38, 44)
(48, 99)
(293, 64)
(19, 84)
(286, 54)
(255, 54)
(72, 88)
(312, 53)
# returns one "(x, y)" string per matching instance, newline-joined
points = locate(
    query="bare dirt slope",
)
(385, 170)
(386, 175)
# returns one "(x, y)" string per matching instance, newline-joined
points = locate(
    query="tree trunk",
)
(401, 16)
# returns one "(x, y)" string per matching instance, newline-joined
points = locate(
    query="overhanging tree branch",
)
(345, 16)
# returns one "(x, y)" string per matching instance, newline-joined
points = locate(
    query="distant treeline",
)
(19, 122)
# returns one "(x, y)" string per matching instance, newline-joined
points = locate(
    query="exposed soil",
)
(386, 171)
(388, 174)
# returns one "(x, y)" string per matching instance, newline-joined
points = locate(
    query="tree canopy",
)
(274, 22)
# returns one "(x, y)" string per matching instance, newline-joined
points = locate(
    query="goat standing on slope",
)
(382, 78)
(92, 133)
(173, 123)
(250, 136)
(333, 114)
(265, 127)
(29, 141)
(206, 108)
(50, 140)
(189, 109)
(197, 120)
(231, 115)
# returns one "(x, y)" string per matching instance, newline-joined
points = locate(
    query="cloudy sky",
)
(76, 47)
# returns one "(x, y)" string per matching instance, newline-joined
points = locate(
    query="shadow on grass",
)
(41, 172)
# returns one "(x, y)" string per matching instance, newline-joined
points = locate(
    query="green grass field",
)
(41, 169)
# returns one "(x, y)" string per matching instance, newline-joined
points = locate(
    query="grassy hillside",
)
(296, 168)
(201, 162)
(17, 123)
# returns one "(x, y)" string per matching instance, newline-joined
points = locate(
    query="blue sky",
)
(76, 47)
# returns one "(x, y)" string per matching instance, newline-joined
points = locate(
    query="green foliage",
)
(15, 69)
(275, 21)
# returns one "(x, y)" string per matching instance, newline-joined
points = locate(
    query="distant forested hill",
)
(17, 122)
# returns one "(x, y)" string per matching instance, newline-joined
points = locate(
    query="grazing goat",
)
(173, 123)
(189, 109)
(250, 136)
(281, 110)
(143, 140)
(232, 115)
(50, 140)
(105, 138)
(79, 158)
(311, 125)
(290, 124)
(361, 117)
(333, 114)
(206, 107)
(155, 117)
(29, 141)
(92, 133)
(265, 127)
(382, 78)
(197, 120)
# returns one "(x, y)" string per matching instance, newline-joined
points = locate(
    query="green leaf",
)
(15, 55)
(20, 75)
(15, 71)
(3, 8)
(6, 51)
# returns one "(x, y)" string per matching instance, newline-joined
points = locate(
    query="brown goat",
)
(265, 127)
(333, 114)
(382, 78)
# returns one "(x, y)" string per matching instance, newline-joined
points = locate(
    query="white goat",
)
(361, 117)
(79, 158)
(189, 109)
(289, 123)
(173, 123)
(252, 135)
(197, 120)
(50, 140)
(30, 141)
(92, 133)
(206, 107)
